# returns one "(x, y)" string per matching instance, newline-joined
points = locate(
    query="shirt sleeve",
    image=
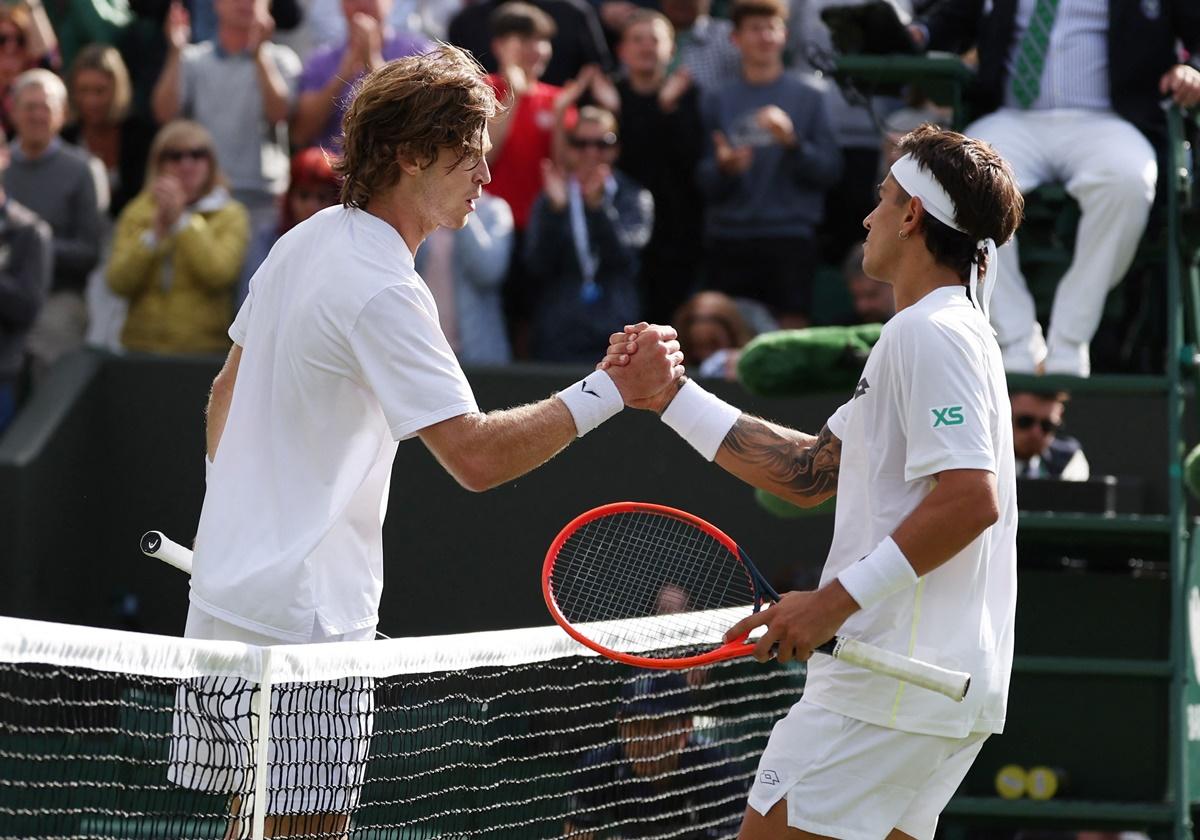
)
(837, 421)
(407, 361)
(237, 330)
(945, 407)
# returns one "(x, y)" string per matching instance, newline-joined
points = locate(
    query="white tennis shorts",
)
(852, 780)
(320, 732)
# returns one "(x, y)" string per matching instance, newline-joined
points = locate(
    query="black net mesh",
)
(575, 746)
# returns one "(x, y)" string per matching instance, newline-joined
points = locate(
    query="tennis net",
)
(514, 734)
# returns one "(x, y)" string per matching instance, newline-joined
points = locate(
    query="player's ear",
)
(409, 163)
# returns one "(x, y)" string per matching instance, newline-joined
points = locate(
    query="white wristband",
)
(591, 401)
(701, 418)
(879, 575)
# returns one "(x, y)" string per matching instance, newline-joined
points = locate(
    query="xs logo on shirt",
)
(951, 415)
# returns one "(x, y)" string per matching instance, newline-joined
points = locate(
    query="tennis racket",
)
(156, 544)
(656, 587)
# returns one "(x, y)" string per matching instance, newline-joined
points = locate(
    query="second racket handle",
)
(953, 684)
(158, 545)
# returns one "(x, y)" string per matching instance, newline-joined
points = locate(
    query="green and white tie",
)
(1031, 53)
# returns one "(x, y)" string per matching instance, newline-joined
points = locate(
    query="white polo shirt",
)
(342, 357)
(933, 397)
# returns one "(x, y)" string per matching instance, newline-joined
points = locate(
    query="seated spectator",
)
(771, 156)
(703, 44)
(67, 189)
(26, 253)
(657, 758)
(1084, 114)
(873, 300)
(99, 95)
(585, 237)
(23, 46)
(312, 187)
(241, 87)
(464, 270)
(1041, 450)
(578, 38)
(712, 331)
(179, 247)
(661, 144)
(331, 71)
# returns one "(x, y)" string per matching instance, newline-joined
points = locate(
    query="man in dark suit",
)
(1069, 92)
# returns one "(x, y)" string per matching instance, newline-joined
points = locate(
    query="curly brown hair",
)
(412, 107)
(987, 201)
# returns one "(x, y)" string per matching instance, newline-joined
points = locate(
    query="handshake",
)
(645, 363)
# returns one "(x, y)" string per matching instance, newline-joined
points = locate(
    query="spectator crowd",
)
(685, 161)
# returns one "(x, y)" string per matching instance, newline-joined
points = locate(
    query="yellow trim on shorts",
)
(912, 644)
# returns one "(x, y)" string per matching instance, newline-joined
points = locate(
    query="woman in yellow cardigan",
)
(178, 248)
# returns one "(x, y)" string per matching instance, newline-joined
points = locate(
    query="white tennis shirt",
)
(932, 397)
(342, 357)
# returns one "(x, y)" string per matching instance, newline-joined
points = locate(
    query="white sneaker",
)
(1025, 355)
(1068, 357)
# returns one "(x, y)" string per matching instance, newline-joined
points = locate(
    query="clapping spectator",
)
(661, 144)
(241, 87)
(67, 189)
(331, 71)
(584, 241)
(26, 254)
(179, 247)
(464, 269)
(771, 157)
(313, 186)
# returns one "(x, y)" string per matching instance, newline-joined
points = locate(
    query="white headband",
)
(920, 183)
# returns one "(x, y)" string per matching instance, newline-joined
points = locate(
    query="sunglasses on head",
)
(177, 155)
(606, 142)
(1028, 421)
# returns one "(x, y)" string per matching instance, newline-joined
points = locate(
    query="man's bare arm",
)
(219, 399)
(793, 465)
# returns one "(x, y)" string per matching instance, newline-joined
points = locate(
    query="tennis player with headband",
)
(923, 559)
(337, 356)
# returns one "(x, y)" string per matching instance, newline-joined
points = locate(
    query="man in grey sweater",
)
(25, 265)
(772, 154)
(58, 182)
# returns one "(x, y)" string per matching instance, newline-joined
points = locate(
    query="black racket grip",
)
(826, 648)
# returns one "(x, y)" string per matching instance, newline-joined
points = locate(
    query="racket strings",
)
(650, 582)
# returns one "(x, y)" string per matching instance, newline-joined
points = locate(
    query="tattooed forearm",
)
(803, 468)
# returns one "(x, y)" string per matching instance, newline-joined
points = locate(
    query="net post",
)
(262, 748)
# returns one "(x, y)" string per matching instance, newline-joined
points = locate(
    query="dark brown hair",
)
(743, 9)
(524, 19)
(987, 202)
(413, 107)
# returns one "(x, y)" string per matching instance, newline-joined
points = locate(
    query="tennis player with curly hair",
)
(337, 356)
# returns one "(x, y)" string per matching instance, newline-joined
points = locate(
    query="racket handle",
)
(953, 684)
(156, 544)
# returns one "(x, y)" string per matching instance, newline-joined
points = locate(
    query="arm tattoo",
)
(806, 470)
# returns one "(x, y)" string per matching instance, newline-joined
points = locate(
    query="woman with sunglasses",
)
(26, 41)
(178, 249)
